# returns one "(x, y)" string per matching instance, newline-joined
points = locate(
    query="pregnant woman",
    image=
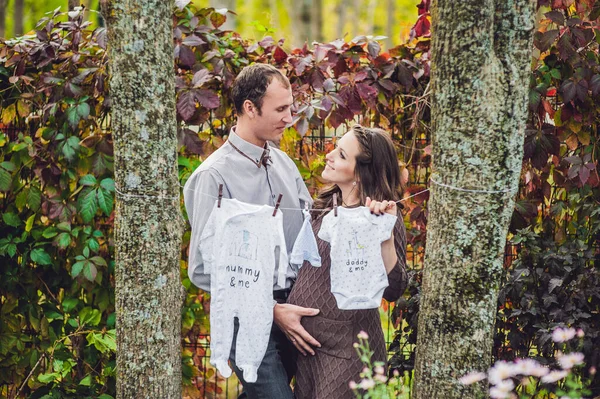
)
(363, 170)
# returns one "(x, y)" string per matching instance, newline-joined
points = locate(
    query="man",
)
(252, 171)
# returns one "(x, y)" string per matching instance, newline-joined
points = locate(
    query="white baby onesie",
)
(358, 275)
(242, 244)
(305, 247)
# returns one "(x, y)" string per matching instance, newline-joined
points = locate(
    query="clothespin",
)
(277, 204)
(220, 195)
(335, 204)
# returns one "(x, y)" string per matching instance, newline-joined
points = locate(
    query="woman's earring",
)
(354, 184)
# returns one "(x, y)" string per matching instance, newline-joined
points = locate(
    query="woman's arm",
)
(393, 250)
(397, 277)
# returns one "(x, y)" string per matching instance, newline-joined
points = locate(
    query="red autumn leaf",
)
(365, 91)
(373, 48)
(340, 67)
(201, 77)
(279, 55)
(217, 19)
(422, 27)
(548, 108)
(424, 6)
(207, 98)
(187, 57)
(193, 40)
(191, 141)
(568, 91)
(186, 105)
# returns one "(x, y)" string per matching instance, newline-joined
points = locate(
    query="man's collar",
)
(249, 150)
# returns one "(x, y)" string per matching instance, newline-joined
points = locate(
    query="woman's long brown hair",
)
(377, 170)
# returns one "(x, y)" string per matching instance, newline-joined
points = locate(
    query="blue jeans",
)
(276, 370)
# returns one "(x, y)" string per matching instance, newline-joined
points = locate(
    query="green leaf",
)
(86, 252)
(29, 223)
(105, 201)
(93, 245)
(41, 257)
(5, 180)
(98, 260)
(111, 320)
(64, 226)
(555, 73)
(103, 342)
(76, 269)
(11, 250)
(83, 110)
(108, 184)
(68, 304)
(73, 116)
(64, 240)
(88, 180)
(34, 198)
(70, 147)
(21, 200)
(11, 219)
(46, 378)
(87, 381)
(90, 271)
(88, 204)
(49, 232)
(90, 316)
(9, 166)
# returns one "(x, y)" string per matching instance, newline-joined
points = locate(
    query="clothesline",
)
(122, 194)
(215, 197)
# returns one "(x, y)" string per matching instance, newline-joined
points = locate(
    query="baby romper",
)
(358, 275)
(242, 244)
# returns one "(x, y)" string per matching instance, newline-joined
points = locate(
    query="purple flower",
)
(563, 334)
(472, 377)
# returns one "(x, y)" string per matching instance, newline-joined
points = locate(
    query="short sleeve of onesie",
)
(329, 222)
(387, 223)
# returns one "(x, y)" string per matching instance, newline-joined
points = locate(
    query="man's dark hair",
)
(251, 84)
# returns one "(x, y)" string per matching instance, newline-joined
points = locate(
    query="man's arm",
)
(288, 316)
(199, 195)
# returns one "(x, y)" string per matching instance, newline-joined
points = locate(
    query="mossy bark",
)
(148, 222)
(481, 57)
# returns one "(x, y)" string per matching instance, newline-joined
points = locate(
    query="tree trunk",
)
(317, 20)
(148, 223)
(274, 11)
(3, 5)
(18, 18)
(306, 21)
(481, 56)
(389, 32)
(342, 10)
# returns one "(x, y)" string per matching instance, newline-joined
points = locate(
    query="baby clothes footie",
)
(358, 275)
(305, 247)
(241, 245)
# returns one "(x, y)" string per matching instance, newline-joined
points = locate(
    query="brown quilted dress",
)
(327, 374)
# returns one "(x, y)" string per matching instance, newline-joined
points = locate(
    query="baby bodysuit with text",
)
(358, 275)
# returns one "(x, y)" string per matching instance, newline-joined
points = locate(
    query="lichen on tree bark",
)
(148, 223)
(481, 54)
